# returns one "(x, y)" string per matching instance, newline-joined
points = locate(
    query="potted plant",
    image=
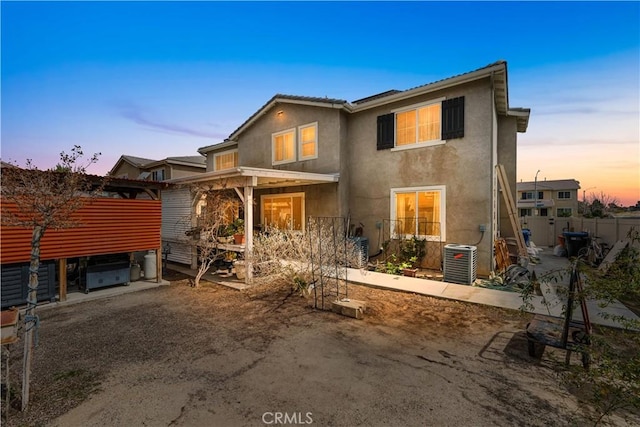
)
(225, 233)
(238, 235)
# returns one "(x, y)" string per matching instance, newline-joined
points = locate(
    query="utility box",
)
(102, 275)
(15, 283)
(460, 264)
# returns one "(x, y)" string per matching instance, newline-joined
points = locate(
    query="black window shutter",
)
(453, 118)
(386, 131)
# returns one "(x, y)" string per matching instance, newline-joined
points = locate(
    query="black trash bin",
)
(574, 241)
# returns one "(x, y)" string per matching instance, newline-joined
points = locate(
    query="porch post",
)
(62, 268)
(248, 231)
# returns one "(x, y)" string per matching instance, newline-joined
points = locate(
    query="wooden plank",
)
(502, 254)
(512, 211)
(613, 254)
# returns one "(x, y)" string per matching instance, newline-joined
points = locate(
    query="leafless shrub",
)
(290, 260)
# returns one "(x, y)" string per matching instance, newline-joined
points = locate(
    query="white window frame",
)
(273, 148)
(564, 192)
(417, 144)
(291, 195)
(154, 174)
(300, 128)
(443, 209)
(222, 153)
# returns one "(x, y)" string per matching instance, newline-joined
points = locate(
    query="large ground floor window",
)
(284, 211)
(418, 211)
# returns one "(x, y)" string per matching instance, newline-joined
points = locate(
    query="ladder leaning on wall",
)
(511, 209)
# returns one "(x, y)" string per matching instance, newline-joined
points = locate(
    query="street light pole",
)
(535, 194)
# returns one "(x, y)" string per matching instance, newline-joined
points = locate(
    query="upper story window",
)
(308, 137)
(284, 147)
(225, 160)
(295, 144)
(530, 195)
(420, 125)
(157, 175)
(564, 194)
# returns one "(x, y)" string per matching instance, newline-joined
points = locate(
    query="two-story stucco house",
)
(551, 198)
(419, 162)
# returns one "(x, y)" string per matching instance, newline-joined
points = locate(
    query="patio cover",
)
(245, 179)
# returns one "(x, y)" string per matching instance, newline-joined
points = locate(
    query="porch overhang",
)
(256, 177)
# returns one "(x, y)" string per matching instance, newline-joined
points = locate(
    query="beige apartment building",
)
(553, 198)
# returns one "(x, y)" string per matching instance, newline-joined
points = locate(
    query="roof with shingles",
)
(498, 70)
(137, 161)
(198, 160)
(556, 184)
(294, 99)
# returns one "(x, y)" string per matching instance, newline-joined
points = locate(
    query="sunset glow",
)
(158, 79)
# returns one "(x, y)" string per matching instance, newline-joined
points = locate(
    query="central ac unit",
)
(460, 263)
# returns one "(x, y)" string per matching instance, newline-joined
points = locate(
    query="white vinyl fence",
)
(545, 230)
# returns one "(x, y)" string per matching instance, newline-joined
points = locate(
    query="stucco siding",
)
(126, 170)
(507, 152)
(463, 166)
(254, 144)
(179, 171)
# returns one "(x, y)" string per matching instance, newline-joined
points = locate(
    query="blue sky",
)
(158, 79)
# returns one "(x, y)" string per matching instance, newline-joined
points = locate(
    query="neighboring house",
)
(416, 162)
(553, 198)
(131, 167)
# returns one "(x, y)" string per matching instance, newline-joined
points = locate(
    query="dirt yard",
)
(183, 356)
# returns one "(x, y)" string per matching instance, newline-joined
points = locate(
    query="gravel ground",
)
(183, 356)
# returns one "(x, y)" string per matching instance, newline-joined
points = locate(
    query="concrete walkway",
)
(96, 294)
(549, 303)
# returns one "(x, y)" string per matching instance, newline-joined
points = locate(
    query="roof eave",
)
(287, 178)
(279, 100)
(493, 70)
(522, 118)
(209, 148)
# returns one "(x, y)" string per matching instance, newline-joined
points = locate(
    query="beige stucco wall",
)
(127, 169)
(463, 166)
(254, 150)
(564, 203)
(254, 144)
(178, 171)
(507, 152)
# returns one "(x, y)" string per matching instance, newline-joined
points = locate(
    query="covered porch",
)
(245, 181)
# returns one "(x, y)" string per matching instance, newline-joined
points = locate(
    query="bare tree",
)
(42, 200)
(599, 205)
(216, 210)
